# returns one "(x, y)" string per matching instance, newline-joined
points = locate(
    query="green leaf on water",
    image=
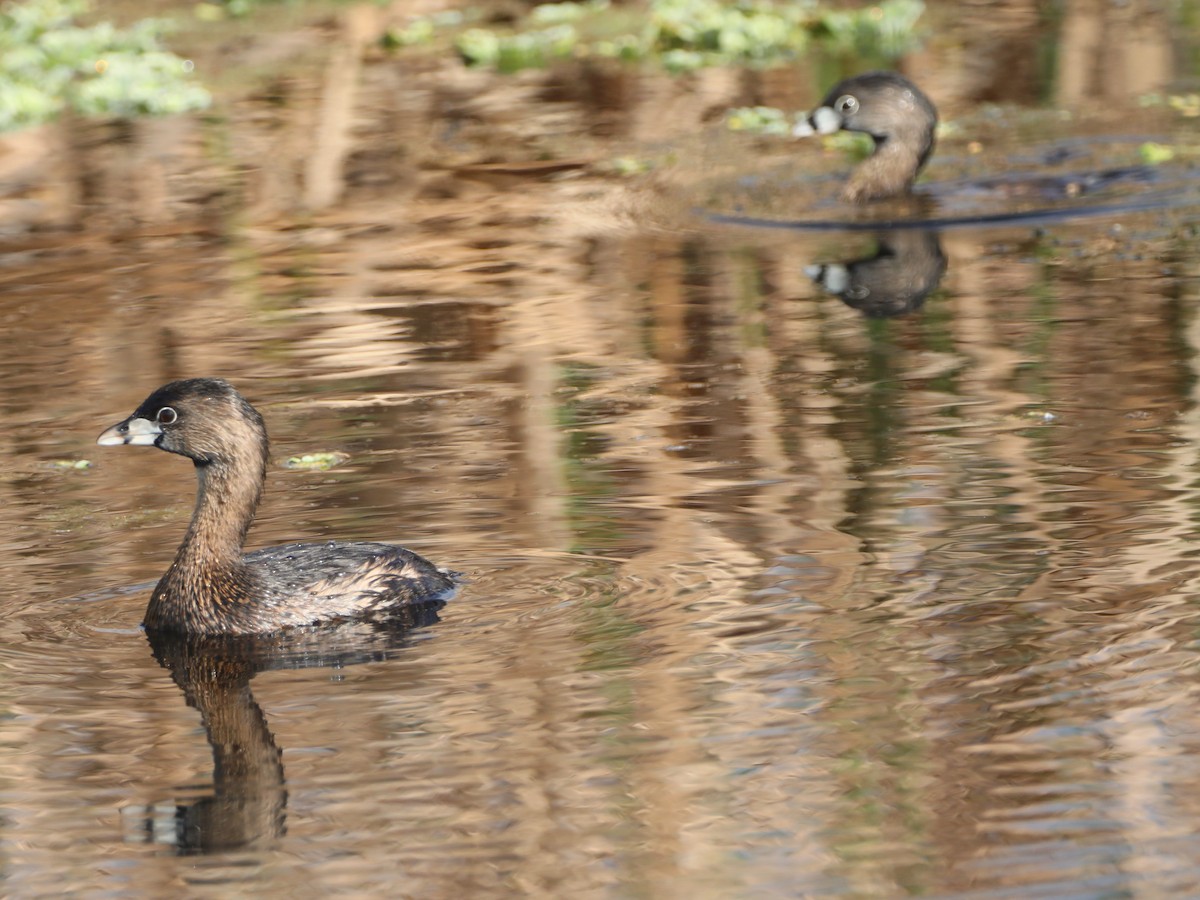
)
(71, 464)
(319, 462)
(1153, 153)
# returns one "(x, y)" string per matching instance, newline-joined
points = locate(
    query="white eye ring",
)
(847, 104)
(166, 416)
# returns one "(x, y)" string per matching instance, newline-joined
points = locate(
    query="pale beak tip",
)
(136, 431)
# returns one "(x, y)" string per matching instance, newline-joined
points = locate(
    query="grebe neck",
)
(227, 495)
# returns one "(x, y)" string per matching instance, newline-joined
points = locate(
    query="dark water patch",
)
(1056, 182)
(1164, 200)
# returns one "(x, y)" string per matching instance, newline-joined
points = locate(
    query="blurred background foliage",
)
(684, 35)
(55, 55)
(50, 63)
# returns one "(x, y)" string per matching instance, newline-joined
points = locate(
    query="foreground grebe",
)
(898, 117)
(211, 588)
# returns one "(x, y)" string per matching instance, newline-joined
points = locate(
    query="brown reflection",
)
(247, 808)
(324, 171)
(1113, 51)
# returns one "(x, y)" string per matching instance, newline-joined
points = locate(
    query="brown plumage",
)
(210, 587)
(898, 117)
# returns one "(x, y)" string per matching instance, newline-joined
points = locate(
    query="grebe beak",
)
(140, 432)
(822, 120)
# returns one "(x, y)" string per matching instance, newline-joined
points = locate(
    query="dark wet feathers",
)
(294, 585)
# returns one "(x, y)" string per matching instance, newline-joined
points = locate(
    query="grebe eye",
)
(847, 104)
(166, 416)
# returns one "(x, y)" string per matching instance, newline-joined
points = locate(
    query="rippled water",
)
(769, 593)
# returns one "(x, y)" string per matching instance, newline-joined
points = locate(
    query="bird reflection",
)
(247, 806)
(893, 281)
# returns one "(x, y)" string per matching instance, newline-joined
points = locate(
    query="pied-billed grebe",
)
(211, 588)
(898, 117)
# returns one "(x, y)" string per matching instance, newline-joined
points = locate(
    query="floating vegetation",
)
(1187, 105)
(760, 120)
(72, 465)
(319, 462)
(479, 46)
(1153, 153)
(228, 9)
(49, 64)
(886, 30)
(627, 166)
(420, 30)
(682, 35)
(689, 34)
(219, 10)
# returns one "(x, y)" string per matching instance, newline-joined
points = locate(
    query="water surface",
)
(769, 594)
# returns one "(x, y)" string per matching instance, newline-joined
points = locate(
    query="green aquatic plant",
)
(72, 465)
(420, 30)
(688, 34)
(683, 35)
(628, 166)
(1154, 153)
(886, 30)
(759, 120)
(320, 462)
(512, 53)
(1187, 105)
(560, 13)
(219, 10)
(49, 64)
